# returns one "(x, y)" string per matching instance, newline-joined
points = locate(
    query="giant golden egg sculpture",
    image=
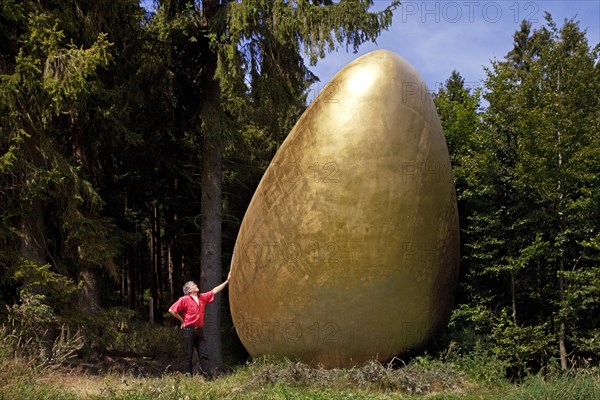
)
(349, 249)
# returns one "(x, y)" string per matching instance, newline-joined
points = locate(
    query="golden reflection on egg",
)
(349, 249)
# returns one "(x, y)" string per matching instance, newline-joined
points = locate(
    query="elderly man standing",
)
(189, 310)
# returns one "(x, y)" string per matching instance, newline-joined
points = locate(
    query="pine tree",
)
(64, 104)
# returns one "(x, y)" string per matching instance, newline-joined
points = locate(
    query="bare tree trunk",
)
(158, 267)
(130, 257)
(513, 287)
(155, 245)
(130, 277)
(33, 250)
(170, 267)
(90, 300)
(143, 273)
(174, 253)
(562, 334)
(211, 273)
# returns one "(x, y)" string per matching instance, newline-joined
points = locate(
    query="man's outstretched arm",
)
(217, 289)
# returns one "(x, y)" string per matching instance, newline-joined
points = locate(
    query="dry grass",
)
(372, 376)
(81, 386)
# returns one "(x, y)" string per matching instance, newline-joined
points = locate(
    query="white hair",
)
(187, 287)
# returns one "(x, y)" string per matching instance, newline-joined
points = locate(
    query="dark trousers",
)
(193, 339)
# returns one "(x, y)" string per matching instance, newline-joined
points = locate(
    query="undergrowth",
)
(372, 376)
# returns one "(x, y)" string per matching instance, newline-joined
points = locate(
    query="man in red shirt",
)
(191, 305)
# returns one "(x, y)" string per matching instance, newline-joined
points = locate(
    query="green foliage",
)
(26, 333)
(483, 333)
(33, 314)
(524, 168)
(58, 289)
(479, 363)
(67, 73)
(582, 306)
(259, 51)
(50, 79)
(91, 240)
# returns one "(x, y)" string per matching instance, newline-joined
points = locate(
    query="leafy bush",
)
(33, 316)
(480, 364)
(492, 339)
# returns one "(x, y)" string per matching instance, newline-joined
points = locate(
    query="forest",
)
(131, 142)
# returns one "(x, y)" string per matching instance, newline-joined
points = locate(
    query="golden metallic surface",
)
(349, 249)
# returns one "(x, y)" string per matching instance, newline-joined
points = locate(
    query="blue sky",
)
(439, 36)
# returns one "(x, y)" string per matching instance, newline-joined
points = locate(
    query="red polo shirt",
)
(193, 313)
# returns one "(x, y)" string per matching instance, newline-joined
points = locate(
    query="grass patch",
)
(284, 379)
(567, 386)
(260, 379)
(21, 381)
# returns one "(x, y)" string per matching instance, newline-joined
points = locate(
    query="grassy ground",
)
(268, 379)
(128, 366)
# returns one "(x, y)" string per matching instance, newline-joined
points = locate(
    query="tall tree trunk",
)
(33, 239)
(513, 288)
(562, 334)
(32, 227)
(174, 264)
(155, 281)
(90, 299)
(33, 250)
(130, 272)
(170, 267)
(144, 269)
(211, 273)
(174, 259)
